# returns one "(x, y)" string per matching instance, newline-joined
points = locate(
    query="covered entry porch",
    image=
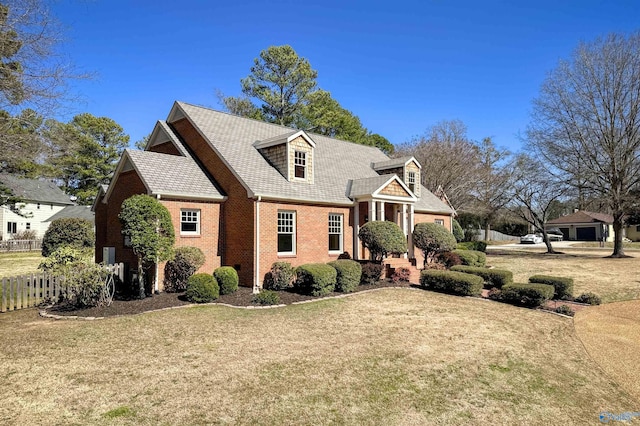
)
(382, 198)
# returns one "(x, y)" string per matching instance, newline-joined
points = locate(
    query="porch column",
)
(403, 218)
(356, 230)
(410, 230)
(372, 210)
(381, 215)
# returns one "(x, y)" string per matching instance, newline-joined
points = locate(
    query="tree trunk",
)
(547, 242)
(618, 249)
(141, 292)
(487, 231)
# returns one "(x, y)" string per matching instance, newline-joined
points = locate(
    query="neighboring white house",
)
(41, 200)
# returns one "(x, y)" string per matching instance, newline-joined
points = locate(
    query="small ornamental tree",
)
(458, 233)
(148, 225)
(72, 232)
(382, 238)
(432, 238)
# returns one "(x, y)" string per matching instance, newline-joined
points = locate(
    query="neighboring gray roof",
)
(81, 212)
(336, 162)
(172, 175)
(35, 190)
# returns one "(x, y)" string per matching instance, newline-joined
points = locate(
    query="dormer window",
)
(300, 164)
(411, 181)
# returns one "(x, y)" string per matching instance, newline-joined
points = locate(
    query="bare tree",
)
(448, 158)
(586, 122)
(535, 194)
(493, 179)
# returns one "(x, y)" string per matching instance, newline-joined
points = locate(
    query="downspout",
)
(256, 282)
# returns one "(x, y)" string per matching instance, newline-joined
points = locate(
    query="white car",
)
(531, 239)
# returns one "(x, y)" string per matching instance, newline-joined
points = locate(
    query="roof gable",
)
(382, 186)
(167, 175)
(395, 163)
(161, 134)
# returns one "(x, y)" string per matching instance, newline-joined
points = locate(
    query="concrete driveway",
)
(554, 244)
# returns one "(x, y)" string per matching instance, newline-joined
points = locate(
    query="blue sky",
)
(401, 66)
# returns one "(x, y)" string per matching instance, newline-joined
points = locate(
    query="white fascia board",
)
(376, 193)
(123, 160)
(187, 196)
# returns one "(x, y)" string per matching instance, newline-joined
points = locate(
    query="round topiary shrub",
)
(316, 279)
(280, 277)
(348, 274)
(432, 238)
(73, 232)
(186, 261)
(382, 238)
(227, 278)
(202, 288)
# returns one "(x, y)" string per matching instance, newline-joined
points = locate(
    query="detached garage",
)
(584, 226)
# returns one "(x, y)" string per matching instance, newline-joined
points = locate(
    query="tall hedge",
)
(432, 238)
(73, 232)
(382, 238)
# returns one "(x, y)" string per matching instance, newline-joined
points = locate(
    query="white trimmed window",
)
(335, 233)
(411, 181)
(300, 164)
(190, 222)
(286, 232)
(439, 222)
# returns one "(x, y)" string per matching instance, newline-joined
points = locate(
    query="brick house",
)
(250, 193)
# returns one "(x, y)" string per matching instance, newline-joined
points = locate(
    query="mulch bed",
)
(242, 297)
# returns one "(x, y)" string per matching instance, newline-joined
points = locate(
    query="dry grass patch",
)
(611, 334)
(14, 264)
(388, 357)
(611, 279)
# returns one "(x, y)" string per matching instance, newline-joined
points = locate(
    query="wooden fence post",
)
(3, 296)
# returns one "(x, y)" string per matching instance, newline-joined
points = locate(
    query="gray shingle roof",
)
(360, 187)
(336, 162)
(172, 175)
(35, 190)
(81, 212)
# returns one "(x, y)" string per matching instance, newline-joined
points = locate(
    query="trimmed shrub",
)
(432, 238)
(449, 259)
(472, 257)
(493, 277)
(227, 279)
(565, 310)
(371, 273)
(348, 275)
(280, 277)
(344, 255)
(495, 294)
(186, 261)
(452, 282)
(202, 288)
(266, 297)
(473, 245)
(401, 274)
(458, 233)
(589, 298)
(382, 238)
(563, 285)
(530, 295)
(316, 279)
(74, 232)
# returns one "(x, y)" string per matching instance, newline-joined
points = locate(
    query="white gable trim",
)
(162, 134)
(376, 193)
(125, 164)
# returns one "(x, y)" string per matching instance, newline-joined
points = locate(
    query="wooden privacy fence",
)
(27, 291)
(21, 245)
